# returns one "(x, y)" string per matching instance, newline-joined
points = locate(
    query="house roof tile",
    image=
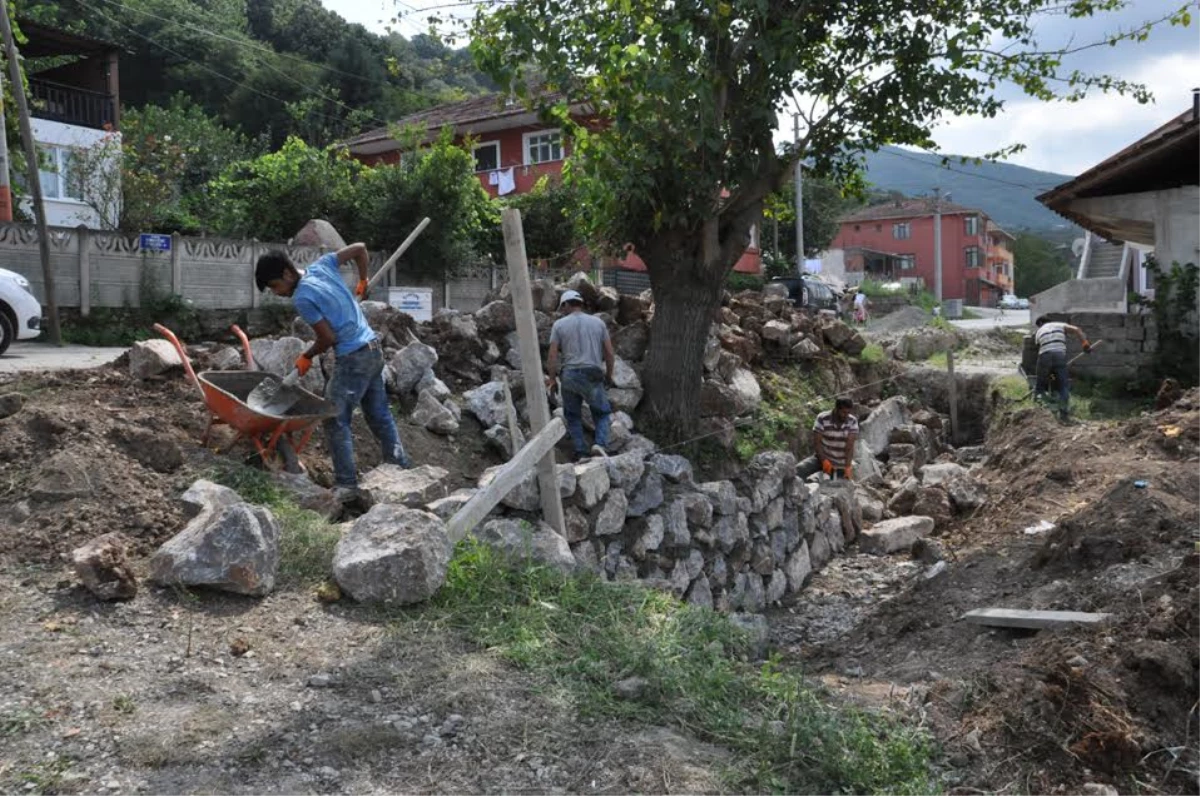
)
(473, 110)
(907, 208)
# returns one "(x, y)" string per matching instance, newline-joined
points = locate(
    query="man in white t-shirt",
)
(1051, 339)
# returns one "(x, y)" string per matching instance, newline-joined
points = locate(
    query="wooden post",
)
(531, 362)
(176, 264)
(84, 236)
(512, 474)
(255, 296)
(953, 397)
(31, 164)
(514, 425)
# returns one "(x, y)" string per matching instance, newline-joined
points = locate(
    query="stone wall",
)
(1129, 343)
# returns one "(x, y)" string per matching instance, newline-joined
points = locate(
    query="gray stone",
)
(496, 317)
(409, 366)
(625, 470)
(646, 496)
(641, 445)
(928, 551)
(521, 541)
(228, 358)
(940, 473)
(819, 553)
(206, 498)
(700, 594)
(869, 506)
(486, 402)
(491, 353)
(278, 357)
(576, 522)
(499, 440)
(610, 517)
(798, 568)
(754, 600)
(730, 530)
(777, 332)
(779, 548)
(650, 534)
(766, 475)
(867, 469)
(624, 399)
(718, 573)
(391, 483)
(631, 342)
(607, 299)
(309, 495)
(447, 507)
(747, 393)
(430, 414)
(582, 283)
(675, 523)
(591, 482)
(102, 566)
(965, 493)
(234, 549)
(10, 404)
(675, 469)
(891, 536)
(150, 358)
(586, 558)
(845, 502)
(762, 558)
(933, 502)
(776, 587)
(698, 508)
(877, 428)
(631, 688)
(722, 495)
(523, 497)
(624, 376)
(431, 383)
(392, 555)
(806, 349)
(459, 325)
(757, 630)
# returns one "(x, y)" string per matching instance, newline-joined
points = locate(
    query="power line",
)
(966, 173)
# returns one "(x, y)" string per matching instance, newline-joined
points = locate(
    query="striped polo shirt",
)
(833, 436)
(1051, 338)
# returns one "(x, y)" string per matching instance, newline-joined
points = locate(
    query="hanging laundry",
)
(507, 183)
(493, 178)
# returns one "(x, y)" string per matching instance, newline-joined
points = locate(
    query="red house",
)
(895, 241)
(513, 149)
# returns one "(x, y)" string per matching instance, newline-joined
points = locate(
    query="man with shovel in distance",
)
(322, 299)
(1052, 364)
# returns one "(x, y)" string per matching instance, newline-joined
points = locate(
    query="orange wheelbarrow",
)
(224, 392)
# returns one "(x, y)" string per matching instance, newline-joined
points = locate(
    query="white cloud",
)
(1071, 137)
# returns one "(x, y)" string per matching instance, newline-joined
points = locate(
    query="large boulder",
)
(319, 233)
(487, 403)
(940, 473)
(877, 428)
(150, 358)
(891, 536)
(841, 337)
(718, 399)
(496, 317)
(278, 357)
(391, 483)
(409, 366)
(235, 549)
(447, 507)
(932, 501)
(746, 391)
(392, 555)
(966, 494)
(631, 342)
(631, 309)
(647, 495)
(520, 541)
(609, 518)
(625, 470)
(207, 498)
(102, 566)
(581, 282)
(526, 496)
(591, 482)
(308, 495)
(766, 476)
(675, 469)
(626, 391)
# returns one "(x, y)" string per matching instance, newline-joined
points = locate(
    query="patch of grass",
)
(784, 415)
(123, 703)
(1011, 388)
(18, 722)
(938, 360)
(307, 539)
(873, 353)
(45, 776)
(970, 315)
(582, 635)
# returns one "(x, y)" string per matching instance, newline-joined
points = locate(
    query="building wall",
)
(1130, 342)
(878, 235)
(70, 212)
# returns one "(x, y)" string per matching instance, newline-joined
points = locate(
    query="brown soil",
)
(1048, 712)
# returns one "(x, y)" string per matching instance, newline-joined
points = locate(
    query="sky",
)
(1061, 137)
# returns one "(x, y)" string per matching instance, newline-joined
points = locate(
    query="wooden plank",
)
(514, 426)
(531, 362)
(513, 473)
(1032, 620)
(953, 397)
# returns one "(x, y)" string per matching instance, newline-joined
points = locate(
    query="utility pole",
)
(5, 187)
(937, 241)
(31, 164)
(799, 179)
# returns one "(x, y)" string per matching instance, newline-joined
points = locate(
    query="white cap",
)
(570, 295)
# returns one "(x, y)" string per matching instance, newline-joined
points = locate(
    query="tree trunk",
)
(686, 297)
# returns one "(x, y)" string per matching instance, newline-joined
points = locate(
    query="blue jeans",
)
(358, 381)
(579, 385)
(1055, 363)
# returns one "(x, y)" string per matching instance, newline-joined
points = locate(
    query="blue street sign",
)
(155, 243)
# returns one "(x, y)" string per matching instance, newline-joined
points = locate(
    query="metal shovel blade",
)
(273, 396)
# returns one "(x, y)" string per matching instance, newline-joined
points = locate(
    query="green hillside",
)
(1002, 190)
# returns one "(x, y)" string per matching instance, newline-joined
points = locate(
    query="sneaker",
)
(599, 452)
(345, 494)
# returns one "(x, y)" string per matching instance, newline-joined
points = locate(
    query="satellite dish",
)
(1077, 246)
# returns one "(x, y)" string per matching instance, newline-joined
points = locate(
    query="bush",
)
(1174, 311)
(548, 221)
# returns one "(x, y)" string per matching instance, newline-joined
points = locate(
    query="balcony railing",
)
(70, 105)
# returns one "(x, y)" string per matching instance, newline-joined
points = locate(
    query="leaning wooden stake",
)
(953, 398)
(505, 481)
(516, 437)
(531, 362)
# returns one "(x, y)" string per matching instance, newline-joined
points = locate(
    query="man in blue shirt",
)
(322, 299)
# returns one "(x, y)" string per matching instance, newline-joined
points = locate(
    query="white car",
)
(20, 312)
(1010, 302)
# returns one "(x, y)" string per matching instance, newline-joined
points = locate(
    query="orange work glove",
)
(849, 471)
(303, 364)
(827, 466)
(1087, 347)
(361, 289)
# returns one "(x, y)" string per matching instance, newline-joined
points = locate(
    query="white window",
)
(908, 262)
(972, 225)
(543, 147)
(972, 254)
(54, 171)
(902, 231)
(487, 156)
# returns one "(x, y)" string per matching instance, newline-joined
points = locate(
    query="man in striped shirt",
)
(834, 435)
(1051, 339)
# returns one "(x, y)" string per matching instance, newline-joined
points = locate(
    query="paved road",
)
(25, 357)
(992, 318)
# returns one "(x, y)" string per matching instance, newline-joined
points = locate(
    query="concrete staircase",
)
(1104, 259)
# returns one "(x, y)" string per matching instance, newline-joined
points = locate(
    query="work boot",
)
(599, 452)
